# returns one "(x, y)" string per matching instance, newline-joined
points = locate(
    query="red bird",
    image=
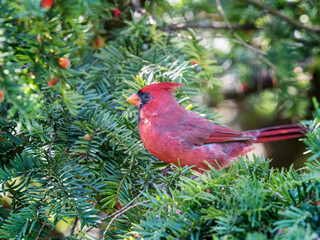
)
(172, 133)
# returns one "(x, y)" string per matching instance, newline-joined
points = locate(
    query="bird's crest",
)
(162, 85)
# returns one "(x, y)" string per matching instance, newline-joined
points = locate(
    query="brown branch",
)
(74, 225)
(41, 229)
(250, 47)
(211, 25)
(242, 43)
(119, 214)
(88, 230)
(289, 20)
(126, 206)
(116, 213)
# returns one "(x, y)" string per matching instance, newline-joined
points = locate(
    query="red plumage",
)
(172, 133)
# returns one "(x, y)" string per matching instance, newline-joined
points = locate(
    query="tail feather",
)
(277, 133)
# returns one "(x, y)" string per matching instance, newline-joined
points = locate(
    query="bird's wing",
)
(198, 130)
(225, 134)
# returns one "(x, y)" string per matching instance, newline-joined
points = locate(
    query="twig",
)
(220, 9)
(223, 37)
(291, 21)
(126, 206)
(304, 168)
(252, 48)
(239, 38)
(41, 229)
(171, 28)
(119, 214)
(74, 225)
(211, 25)
(44, 222)
(301, 169)
(118, 189)
(96, 202)
(115, 213)
(278, 194)
(88, 230)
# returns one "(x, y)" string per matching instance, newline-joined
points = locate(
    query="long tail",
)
(277, 133)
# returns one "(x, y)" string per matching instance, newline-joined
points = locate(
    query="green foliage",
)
(313, 142)
(72, 152)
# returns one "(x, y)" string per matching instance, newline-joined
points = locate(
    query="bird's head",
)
(154, 94)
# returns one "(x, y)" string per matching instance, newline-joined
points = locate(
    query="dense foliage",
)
(69, 145)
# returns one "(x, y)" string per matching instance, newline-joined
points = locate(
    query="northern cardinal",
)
(172, 133)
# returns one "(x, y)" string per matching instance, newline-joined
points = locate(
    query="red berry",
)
(52, 82)
(98, 43)
(208, 191)
(46, 3)
(116, 12)
(1, 95)
(38, 38)
(87, 136)
(118, 205)
(64, 63)
(245, 87)
(194, 63)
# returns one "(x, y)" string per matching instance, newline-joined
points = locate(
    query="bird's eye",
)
(146, 96)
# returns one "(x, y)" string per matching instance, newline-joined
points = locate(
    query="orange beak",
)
(134, 100)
